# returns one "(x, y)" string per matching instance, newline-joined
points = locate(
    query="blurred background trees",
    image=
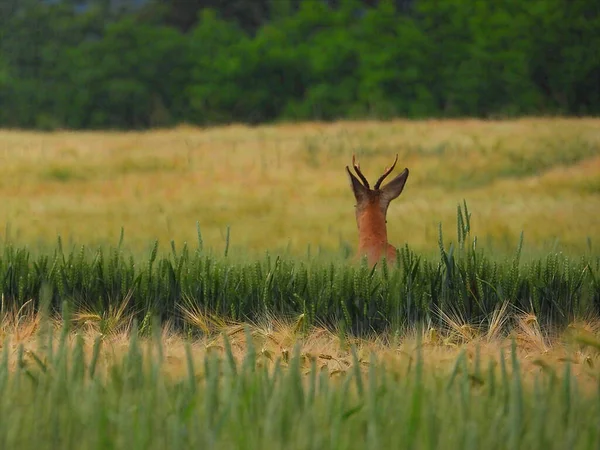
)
(143, 63)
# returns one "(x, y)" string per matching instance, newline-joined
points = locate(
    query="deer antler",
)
(386, 173)
(356, 166)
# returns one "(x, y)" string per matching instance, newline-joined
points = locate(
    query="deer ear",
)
(360, 192)
(394, 188)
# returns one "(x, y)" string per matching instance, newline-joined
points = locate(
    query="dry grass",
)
(275, 340)
(285, 186)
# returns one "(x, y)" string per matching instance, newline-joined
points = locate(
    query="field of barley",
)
(195, 287)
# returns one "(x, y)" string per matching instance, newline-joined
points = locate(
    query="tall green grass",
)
(58, 397)
(464, 281)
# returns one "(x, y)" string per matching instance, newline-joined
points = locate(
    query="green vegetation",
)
(170, 62)
(61, 395)
(258, 330)
(463, 282)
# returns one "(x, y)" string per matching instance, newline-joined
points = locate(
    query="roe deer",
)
(371, 209)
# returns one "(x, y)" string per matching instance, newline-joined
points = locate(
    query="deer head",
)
(371, 210)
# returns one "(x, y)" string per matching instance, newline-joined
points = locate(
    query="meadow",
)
(194, 287)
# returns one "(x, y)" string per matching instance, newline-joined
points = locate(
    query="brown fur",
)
(371, 210)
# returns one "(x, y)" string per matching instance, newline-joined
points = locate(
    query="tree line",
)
(67, 66)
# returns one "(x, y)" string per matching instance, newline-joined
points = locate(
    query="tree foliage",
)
(166, 62)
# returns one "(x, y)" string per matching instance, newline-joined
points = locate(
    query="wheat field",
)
(268, 386)
(127, 347)
(284, 187)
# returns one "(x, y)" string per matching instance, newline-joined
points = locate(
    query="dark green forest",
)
(136, 64)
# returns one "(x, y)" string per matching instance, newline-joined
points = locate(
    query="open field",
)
(284, 187)
(453, 346)
(269, 386)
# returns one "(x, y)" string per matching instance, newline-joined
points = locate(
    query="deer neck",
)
(372, 233)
